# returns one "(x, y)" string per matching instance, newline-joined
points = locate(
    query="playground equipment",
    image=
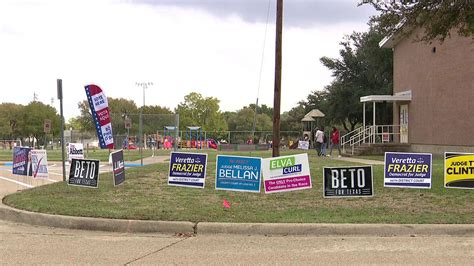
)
(194, 137)
(168, 138)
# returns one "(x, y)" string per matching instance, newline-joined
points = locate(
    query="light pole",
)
(144, 85)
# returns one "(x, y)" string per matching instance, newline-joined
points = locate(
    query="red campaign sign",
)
(101, 115)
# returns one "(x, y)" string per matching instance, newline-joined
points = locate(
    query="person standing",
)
(319, 139)
(335, 141)
(324, 145)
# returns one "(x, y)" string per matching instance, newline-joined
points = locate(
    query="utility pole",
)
(277, 90)
(141, 141)
(60, 97)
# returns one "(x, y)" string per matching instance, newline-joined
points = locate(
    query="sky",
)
(213, 47)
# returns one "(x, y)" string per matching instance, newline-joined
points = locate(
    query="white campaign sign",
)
(75, 151)
(39, 162)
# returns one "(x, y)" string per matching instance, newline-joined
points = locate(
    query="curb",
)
(206, 228)
(95, 224)
(384, 230)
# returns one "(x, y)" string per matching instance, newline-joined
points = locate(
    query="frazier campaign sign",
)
(21, 161)
(39, 163)
(286, 173)
(100, 112)
(187, 169)
(238, 173)
(118, 167)
(412, 170)
(84, 173)
(459, 170)
(343, 182)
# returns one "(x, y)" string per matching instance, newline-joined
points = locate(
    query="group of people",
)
(321, 141)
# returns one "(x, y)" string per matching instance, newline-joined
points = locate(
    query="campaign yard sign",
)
(303, 144)
(459, 170)
(187, 169)
(101, 114)
(286, 173)
(410, 170)
(21, 161)
(84, 173)
(39, 163)
(118, 167)
(75, 151)
(344, 182)
(238, 173)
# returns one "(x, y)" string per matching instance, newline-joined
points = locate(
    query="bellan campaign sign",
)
(187, 169)
(100, 112)
(39, 163)
(238, 173)
(411, 170)
(459, 170)
(118, 167)
(344, 182)
(21, 161)
(84, 173)
(286, 173)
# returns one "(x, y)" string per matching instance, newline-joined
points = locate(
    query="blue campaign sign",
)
(412, 170)
(187, 169)
(238, 173)
(21, 161)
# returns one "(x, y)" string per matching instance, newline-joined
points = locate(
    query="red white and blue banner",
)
(101, 114)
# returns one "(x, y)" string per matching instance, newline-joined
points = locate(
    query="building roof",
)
(393, 39)
(398, 97)
(307, 118)
(315, 113)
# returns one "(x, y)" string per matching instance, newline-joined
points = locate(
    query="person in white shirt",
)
(319, 139)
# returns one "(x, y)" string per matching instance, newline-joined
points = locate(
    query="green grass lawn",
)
(146, 195)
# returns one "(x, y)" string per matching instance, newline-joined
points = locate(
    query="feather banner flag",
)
(101, 114)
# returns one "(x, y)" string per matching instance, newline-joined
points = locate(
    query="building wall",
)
(442, 83)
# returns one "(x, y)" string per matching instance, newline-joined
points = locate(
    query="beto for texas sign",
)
(286, 173)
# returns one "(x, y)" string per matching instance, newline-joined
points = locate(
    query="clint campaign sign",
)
(118, 167)
(84, 173)
(459, 170)
(100, 112)
(21, 161)
(238, 173)
(286, 173)
(39, 163)
(412, 170)
(187, 169)
(344, 182)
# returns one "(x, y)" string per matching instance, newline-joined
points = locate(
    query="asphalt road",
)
(25, 244)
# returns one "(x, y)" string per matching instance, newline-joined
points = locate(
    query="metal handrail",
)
(370, 135)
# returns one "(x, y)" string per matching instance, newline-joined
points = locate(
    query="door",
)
(404, 123)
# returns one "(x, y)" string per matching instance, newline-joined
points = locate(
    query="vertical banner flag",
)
(411, 170)
(459, 170)
(286, 173)
(21, 161)
(100, 112)
(187, 169)
(118, 167)
(238, 173)
(39, 163)
(75, 151)
(344, 182)
(84, 173)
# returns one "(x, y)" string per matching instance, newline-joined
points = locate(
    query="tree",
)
(363, 69)
(199, 111)
(10, 117)
(32, 119)
(437, 18)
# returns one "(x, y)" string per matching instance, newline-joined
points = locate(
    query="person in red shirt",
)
(335, 141)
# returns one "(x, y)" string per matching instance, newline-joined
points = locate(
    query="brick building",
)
(437, 80)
